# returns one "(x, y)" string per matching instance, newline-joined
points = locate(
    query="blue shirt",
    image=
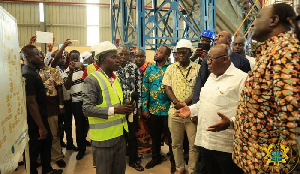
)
(238, 61)
(154, 97)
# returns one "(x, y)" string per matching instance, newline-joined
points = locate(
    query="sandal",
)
(137, 166)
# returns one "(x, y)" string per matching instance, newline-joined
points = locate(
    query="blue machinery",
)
(148, 24)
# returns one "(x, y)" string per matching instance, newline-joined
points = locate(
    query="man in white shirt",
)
(220, 94)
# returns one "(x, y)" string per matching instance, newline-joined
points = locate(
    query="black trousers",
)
(81, 124)
(159, 125)
(40, 147)
(65, 122)
(132, 143)
(218, 162)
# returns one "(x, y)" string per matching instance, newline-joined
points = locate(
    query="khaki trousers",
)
(56, 153)
(178, 126)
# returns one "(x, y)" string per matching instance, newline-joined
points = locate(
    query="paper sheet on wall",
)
(13, 120)
(44, 37)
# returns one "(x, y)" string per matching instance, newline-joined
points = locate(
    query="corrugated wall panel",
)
(105, 23)
(25, 14)
(67, 22)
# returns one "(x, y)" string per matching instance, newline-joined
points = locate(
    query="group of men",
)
(232, 110)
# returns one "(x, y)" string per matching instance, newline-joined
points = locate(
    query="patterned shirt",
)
(268, 111)
(154, 97)
(51, 78)
(130, 81)
(181, 80)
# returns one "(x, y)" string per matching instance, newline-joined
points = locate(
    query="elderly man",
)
(239, 46)
(103, 105)
(239, 61)
(267, 121)
(220, 94)
(179, 81)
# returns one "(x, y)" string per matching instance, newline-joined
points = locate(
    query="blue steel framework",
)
(160, 22)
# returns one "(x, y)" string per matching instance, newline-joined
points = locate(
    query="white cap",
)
(85, 55)
(102, 47)
(183, 43)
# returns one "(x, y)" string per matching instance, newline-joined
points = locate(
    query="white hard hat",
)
(183, 43)
(103, 47)
(85, 55)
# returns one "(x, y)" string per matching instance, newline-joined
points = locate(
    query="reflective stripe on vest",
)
(106, 129)
(90, 69)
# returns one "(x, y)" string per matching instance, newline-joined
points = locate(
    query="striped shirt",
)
(77, 84)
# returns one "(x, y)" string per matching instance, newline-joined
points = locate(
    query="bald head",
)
(239, 45)
(139, 57)
(139, 51)
(224, 37)
(218, 59)
(221, 48)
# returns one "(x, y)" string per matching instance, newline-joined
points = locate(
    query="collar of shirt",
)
(166, 64)
(277, 40)
(180, 67)
(229, 72)
(110, 79)
(30, 68)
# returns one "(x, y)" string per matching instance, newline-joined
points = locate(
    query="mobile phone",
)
(74, 42)
(204, 46)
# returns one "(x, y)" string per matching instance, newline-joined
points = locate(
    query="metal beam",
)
(161, 24)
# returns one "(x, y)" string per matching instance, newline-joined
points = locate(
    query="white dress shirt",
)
(219, 94)
(251, 61)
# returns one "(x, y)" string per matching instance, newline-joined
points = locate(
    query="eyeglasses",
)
(209, 59)
(182, 52)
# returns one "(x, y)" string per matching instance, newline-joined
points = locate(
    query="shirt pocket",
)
(216, 96)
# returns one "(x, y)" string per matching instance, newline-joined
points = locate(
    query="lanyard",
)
(187, 74)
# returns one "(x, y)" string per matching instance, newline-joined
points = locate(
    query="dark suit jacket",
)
(238, 61)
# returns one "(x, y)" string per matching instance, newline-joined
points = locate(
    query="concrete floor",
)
(85, 165)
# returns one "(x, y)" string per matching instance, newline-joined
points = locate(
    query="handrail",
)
(254, 20)
(245, 18)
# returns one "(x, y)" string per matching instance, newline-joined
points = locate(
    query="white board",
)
(44, 37)
(13, 119)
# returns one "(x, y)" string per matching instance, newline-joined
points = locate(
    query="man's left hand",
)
(183, 112)
(223, 124)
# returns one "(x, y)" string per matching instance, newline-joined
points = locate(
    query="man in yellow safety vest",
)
(103, 105)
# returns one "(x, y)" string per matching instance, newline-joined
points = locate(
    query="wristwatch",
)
(61, 106)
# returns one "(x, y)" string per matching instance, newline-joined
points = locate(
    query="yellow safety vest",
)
(90, 69)
(106, 129)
